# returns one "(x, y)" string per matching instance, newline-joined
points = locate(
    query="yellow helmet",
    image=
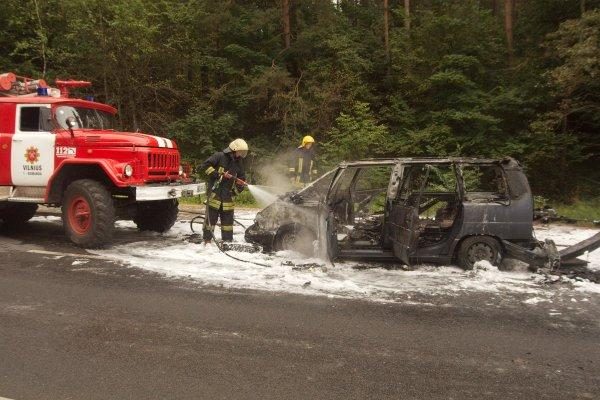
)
(307, 139)
(240, 146)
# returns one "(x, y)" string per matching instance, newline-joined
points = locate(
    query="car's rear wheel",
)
(88, 213)
(479, 248)
(157, 216)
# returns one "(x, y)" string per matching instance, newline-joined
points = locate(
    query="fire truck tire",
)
(16, 214)
(479, 248)
(88, 213)
(156, 216)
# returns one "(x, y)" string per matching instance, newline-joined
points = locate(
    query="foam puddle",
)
(171, 255)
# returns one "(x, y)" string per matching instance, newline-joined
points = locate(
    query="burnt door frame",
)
(330, 225)
(404, 215)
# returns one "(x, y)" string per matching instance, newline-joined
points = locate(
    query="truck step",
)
(28, 192)
(26, 199)
(22, 194)
(5, 192)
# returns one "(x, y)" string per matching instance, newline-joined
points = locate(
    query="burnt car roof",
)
(434, 160)
(506, 162)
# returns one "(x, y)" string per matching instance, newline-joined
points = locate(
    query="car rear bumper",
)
(166, 192)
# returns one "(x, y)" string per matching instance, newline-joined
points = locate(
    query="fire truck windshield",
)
(85, 118)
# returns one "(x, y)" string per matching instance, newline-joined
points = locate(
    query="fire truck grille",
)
(162, 164)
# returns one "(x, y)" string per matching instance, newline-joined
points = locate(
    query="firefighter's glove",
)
(227, 175)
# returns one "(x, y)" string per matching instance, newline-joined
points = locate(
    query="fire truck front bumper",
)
(166, 192)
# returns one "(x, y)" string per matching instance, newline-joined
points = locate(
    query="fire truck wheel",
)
(88, 213)
(157, 216)
(16, 214)
(479, 248)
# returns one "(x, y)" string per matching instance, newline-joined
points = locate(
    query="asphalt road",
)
(102, 330)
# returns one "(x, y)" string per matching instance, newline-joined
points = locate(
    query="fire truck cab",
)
(66, 152)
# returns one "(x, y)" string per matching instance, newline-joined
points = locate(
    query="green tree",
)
(356, 135)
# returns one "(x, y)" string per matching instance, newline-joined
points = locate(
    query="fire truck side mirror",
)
(71, 123)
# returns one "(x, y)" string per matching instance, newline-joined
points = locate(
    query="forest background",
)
(366, 78)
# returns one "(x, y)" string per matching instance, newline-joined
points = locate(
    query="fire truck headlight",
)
(180, 170)
(128, 171)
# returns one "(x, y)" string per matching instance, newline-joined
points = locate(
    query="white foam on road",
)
(172, 256)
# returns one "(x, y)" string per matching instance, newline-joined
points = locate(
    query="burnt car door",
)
(403, 221)
(334, 206)
(356, 206)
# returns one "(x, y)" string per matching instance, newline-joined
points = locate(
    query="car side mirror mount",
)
(71, 123)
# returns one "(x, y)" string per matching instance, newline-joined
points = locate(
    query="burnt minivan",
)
(411, 210)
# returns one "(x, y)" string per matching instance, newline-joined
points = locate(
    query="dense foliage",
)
(450, 82)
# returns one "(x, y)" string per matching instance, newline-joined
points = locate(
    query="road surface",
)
(103, 330)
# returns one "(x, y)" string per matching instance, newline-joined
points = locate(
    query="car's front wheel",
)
(295, 237)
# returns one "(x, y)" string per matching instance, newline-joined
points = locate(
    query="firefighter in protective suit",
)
(302, 167)
(222, 169)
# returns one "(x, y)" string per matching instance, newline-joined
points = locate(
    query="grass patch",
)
(244, 199)
(581, 209)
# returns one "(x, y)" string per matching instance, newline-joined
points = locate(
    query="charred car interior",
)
(412, 210)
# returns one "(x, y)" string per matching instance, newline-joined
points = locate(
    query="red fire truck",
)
(65, 152)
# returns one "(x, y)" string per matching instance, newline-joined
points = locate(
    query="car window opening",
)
(432, 190)
(484, 183)
(359, 205)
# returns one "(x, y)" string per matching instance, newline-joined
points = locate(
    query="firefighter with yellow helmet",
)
(302, 167)
(224, 170)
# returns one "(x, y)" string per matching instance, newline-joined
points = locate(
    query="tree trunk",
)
(407, 15)
(582, 6)
(495, 10)
(508, 27)
(386, 29)
(285, 19)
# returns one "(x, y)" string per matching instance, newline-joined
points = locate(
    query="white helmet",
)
(240, 146)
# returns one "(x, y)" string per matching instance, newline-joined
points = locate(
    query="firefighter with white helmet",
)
(225, 171)
(302, 167)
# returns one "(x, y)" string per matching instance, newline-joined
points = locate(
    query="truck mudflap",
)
(166, 192)
(545, 254)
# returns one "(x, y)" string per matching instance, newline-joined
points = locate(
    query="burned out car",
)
(411, 210)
